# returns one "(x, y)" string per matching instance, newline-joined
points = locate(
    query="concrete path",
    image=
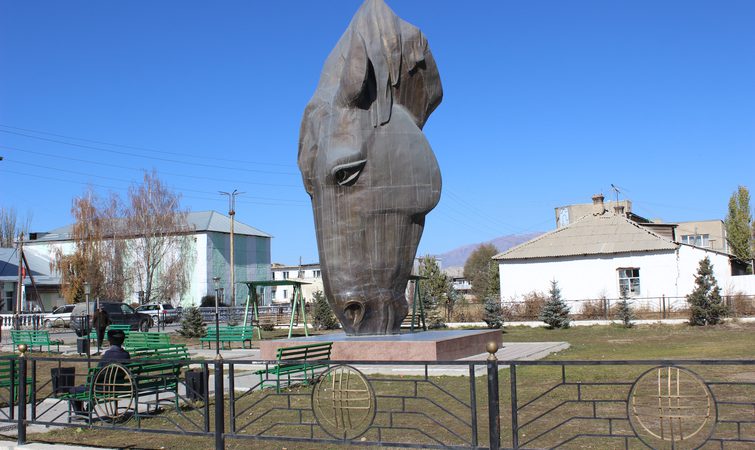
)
(11, 445)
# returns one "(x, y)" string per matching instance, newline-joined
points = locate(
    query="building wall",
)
(714, 229)
(668, 273)
(310, 274)
(251, 261)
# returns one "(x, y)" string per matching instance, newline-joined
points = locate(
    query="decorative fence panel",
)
(463, 404)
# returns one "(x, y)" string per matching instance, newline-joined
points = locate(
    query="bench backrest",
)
(308, 352)
(30, 336)
(232, 331)
(178, 352)
(146, 339)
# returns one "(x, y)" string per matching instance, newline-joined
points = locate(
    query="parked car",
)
(166, 312)
(118, 312)
(59, 317)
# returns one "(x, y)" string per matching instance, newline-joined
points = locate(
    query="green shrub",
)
(192, 324)
(322, 316)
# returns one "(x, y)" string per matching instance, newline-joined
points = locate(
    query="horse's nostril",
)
(354, 312)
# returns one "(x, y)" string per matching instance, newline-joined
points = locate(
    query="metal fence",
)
(461, 404)
(651, 308)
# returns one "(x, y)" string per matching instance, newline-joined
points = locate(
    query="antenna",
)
(617, 191)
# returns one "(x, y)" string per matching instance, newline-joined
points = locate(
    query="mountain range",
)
(458, 256)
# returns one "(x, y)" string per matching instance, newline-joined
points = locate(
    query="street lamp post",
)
(216, 282)
(87, 327)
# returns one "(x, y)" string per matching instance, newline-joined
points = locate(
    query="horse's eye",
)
(347, 174)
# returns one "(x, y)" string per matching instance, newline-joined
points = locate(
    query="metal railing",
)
(651, 308)
(457, 404)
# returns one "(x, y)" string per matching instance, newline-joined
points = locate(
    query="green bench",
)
(7, 374)
(124, 328)
(149, 372)
(229, 334)
(298, 360)
(148, 339)
(34, 338)
(175, 352)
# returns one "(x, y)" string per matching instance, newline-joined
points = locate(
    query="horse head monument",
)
(368, 167)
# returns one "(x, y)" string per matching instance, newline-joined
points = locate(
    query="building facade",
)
(209, 256)
(605, 254)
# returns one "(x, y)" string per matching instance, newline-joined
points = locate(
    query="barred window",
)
(629, 281)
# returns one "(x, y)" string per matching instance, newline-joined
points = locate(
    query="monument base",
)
(443, 345)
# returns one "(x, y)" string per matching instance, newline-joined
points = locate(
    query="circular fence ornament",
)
(343, 402)
(113, 394)
(671, 407)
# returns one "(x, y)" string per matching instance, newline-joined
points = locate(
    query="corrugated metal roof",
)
(200, 221)
(40, 267)
(591, 235)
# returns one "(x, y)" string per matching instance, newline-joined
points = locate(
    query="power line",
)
(125, 189)
(131, 154)
(133, 147)
(118, 166)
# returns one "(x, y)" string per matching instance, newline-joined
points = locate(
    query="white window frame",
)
(629, 281)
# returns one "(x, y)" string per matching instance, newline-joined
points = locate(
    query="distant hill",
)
(458, 256)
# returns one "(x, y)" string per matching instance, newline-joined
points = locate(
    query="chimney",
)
(619, 210)
(597, 205)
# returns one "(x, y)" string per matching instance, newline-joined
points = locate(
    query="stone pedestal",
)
(445, 345)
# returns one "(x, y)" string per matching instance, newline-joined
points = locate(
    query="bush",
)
(192, 324)
(208, 301)
(493, 314)
(322, 316)
(594, 309)
(533, 305)
(741, 304)
(555, 313)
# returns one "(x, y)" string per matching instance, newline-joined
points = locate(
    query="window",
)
(316, 273)
(285, 275)
(629, 282)
(698, 240)
(285, 294)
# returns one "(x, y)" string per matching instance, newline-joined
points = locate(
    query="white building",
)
(604, 253)
(306, 273)
(210, 241)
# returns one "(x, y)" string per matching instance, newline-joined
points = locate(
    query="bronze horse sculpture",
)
(368, 168)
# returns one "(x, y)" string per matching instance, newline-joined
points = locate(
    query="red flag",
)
(23, 271)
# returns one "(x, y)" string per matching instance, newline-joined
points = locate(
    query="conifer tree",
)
(322, 316)
(705, 304)
(555, 312)
(192, 324)
(624, 311)
(493, 313)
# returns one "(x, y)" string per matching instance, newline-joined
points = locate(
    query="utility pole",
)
(232, 213)
(19, 293)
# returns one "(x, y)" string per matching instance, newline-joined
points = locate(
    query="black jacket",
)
(114, 353)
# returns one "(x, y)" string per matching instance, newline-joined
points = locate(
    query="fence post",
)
(21, 395)
(219, 404)
(494, 419)
(514, 409)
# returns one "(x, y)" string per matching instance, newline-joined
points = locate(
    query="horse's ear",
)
(354, 77)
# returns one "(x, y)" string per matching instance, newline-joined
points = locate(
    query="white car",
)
(59, 317)
(166, 311)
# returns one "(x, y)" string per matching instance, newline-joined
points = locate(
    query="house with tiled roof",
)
(606, 253)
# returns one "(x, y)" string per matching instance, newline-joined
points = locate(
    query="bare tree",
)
(98, 252)
(9, 228)
(159, 245)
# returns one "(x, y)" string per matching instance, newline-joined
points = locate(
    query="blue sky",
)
(545, 103)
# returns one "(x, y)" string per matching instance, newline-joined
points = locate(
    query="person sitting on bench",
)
(114, 353)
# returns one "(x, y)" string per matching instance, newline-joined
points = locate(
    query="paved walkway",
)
(8, 445)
